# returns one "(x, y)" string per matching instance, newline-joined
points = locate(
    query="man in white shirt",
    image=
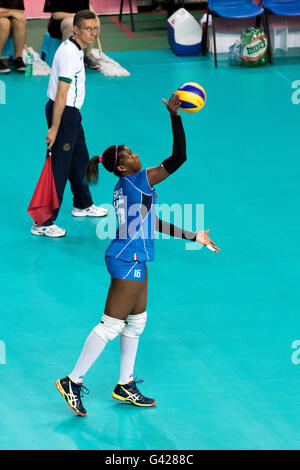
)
(65, 136)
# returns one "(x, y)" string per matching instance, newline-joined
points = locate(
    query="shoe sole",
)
(128, 400)
(93, 67)
(87, 215)
(5, 71)
(44, 235)
(63, 393)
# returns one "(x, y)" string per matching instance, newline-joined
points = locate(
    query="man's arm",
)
(5, 12)
(12, 13)
(61, 15)
(58, 109)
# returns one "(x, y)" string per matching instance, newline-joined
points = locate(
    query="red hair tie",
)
(116, 157)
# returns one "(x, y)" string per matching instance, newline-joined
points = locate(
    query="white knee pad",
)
(109, 328)
(134, 325)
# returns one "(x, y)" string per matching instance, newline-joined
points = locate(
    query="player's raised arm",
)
(159, 173)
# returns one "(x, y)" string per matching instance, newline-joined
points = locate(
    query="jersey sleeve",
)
(66, 68)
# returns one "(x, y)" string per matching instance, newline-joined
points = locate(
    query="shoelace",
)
(134, 387)
(138, 381)
(93, 208)
(54, 228)
(82, 390)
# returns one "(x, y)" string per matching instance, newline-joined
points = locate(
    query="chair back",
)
(231, 3)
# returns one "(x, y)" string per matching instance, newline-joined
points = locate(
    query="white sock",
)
(128, 348)
(92, 348)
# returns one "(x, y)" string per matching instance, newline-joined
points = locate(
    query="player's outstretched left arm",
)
(176, 232)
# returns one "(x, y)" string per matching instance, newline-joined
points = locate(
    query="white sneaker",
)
(92, 211)
(48, 231)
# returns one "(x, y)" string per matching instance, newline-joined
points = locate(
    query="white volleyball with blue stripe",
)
(192, 97)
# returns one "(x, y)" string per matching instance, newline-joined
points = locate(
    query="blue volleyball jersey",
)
(134, 202)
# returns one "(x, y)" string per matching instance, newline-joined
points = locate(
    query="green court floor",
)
(217, 350)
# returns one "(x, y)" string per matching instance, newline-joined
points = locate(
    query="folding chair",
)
(280, 7)
(237, 9)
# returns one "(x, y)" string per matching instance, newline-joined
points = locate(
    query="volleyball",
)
(192, 97)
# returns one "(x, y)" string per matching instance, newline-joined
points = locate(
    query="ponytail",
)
(110, 160)
(92, 171)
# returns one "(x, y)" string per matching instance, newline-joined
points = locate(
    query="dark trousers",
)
(69, 158)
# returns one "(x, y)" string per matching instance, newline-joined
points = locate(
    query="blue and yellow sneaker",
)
(129, 393)
(72, 392)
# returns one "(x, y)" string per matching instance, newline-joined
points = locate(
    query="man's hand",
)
(173, 104)
(205, 240)
(50, 137)
(18, 15)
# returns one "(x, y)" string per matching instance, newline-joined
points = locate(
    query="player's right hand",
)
(50, 137)
(173, 104)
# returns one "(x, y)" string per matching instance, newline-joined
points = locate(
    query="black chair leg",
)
(121, 10)
(131, 13)
(214, 38)
(204, 35)
(267, 31)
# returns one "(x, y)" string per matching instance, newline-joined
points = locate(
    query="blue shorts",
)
(130, 270)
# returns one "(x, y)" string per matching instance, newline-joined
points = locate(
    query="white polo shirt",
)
(68, 66)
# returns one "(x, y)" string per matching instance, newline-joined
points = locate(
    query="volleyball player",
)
(126, 257)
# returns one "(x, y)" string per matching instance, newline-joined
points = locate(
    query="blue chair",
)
(49, 47)
(237, 9)
(282, 7)
(8, 49)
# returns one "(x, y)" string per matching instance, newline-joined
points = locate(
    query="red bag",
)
(44, 200)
